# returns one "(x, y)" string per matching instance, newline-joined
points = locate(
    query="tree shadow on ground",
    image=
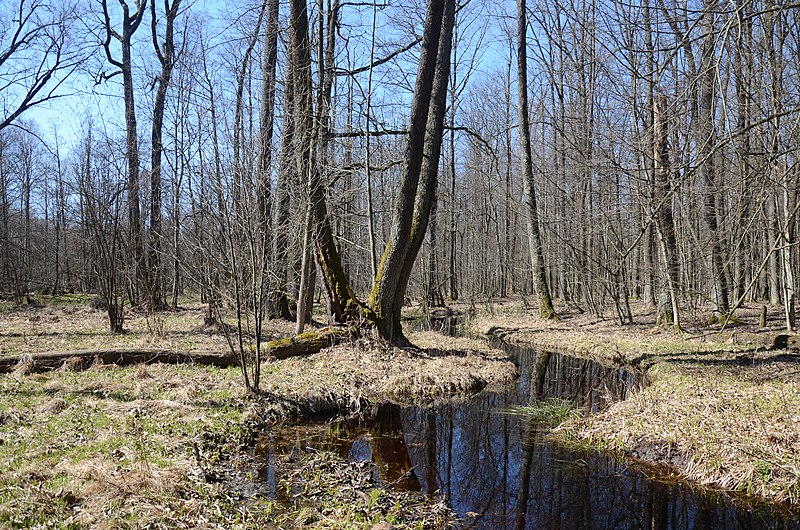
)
(757, 366)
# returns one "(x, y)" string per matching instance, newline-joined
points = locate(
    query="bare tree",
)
(266, 128)
(546, 309)
(37, 54)
(662, 196)
(414, 196)
(707, 138)
(130, 24)
(101, 214)
(167, 56)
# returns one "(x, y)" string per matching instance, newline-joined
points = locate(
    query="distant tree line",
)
(281, 154)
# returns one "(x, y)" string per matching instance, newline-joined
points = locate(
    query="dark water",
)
(499, 472)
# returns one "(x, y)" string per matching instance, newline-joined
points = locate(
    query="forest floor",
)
(722, 407)
(170, 446)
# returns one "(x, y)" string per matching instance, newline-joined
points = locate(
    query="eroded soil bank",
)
(722, 409)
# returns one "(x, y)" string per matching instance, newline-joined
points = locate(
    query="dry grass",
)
(720, 431)
(720, 411)
(111, 448)
(606, 340)
(27, 329)
(133, 447)
(346, 377)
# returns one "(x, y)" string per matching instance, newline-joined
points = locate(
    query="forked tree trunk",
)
(414, 198)
(418, 183)
(429, 172)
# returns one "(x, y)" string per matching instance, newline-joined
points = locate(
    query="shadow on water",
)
(499, 471)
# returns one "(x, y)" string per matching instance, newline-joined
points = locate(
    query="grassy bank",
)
(165, 445)
(722, 409)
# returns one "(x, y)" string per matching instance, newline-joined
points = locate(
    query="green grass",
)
(127, 431)
(548, 412)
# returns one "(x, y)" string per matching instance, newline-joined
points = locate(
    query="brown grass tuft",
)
(54, 406)
(142, 372)
(109, 492)
(55, 386)
(74, 364)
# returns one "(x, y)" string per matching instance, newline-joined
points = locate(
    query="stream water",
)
(500, 472)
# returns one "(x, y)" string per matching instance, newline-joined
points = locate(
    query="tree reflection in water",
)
(500, 472)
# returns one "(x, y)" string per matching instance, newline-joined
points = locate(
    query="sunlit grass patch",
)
(108, 444)
(74, 325)
(548, 412)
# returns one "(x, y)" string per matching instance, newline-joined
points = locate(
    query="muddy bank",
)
(334, 491)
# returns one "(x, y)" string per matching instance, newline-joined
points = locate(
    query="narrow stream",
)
(499, 472)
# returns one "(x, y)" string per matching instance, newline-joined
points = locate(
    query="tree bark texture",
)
(662, 197)
(83, 359)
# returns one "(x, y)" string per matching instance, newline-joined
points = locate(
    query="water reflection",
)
(385, 446)
(446, 323)
(498, 471)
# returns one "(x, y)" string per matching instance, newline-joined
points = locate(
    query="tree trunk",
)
(342, 302)
(130, 23)
(83, 359)
(166, 56)
(279, 306)
(662, 196)
(266, 128)
(780, 172)
(413, 201)
(707, 154)
(429, 172)
(546, 309)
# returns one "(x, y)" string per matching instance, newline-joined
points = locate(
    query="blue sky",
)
(103, 103)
